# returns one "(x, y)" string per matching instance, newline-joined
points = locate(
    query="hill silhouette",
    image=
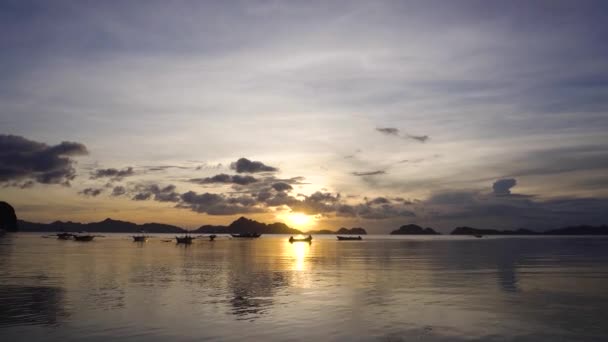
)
(8, 218)
(106, 226)
(341, 231)
(412, 229)
(245, 225)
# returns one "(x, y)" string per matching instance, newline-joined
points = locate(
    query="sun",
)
(299, 219)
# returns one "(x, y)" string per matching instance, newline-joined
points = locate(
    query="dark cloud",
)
(384, 211)
(244, 165)
(420, 138)
(119, 190)
(282, 186)
(265, 184)
(92, 192)
(142, 196)
(369, 173)
(162, 194)
(388, 130)
(227, 179)
(112, 173)
(317, 203)
(26, 160)
(218, 204)
(452, 197)
(379, 200)
(503, 186)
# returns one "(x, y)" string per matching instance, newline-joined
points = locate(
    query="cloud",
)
(142, 196)
(27, 160)
(92, 192)
(112, 173)
(218, 204)
(166, 167)
(227, 179)
(244, 165)
(162, 194)
(452, 197)
(265, 184)
(379, 200)
(282, 186)
(395, 132)
(388, 131)
(503, 186)
(119, 191)
(369, 173)
(420, 138)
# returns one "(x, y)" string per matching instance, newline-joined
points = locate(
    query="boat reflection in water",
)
(186, 239)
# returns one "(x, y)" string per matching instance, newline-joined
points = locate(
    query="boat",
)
(141, 237)
(478, 236)
(83, 238)
(349, 238)
(246, 235)
(306, 239)
(64, 236)
(186, 239)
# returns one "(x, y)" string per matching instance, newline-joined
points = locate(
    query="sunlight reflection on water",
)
(381, 288)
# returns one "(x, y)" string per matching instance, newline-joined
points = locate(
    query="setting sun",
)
(299, 220)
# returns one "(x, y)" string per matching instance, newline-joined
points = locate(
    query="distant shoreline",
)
(244, 225)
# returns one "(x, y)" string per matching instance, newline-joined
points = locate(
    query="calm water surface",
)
(380, 289)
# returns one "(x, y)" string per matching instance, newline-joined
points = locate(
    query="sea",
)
(383, 288)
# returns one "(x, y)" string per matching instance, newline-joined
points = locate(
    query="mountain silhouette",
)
(245, 225)
(106, 226)
(341, 231)
(412, 229)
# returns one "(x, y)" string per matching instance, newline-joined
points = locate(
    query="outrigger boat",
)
(186, 239)
(349, 238)
(83, 237)
(64, 236)
(246, 235)
(141, 237)
(59, 236)
(306, 239)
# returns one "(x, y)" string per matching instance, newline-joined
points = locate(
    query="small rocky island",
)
(341, 231)
(412, 229)
(245, 225)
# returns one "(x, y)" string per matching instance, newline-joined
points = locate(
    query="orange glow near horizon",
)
(299, 220)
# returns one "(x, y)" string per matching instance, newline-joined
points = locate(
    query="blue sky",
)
(376, 114)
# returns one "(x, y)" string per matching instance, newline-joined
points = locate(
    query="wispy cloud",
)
(368, 173)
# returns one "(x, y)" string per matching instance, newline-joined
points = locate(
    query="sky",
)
(319, 114)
